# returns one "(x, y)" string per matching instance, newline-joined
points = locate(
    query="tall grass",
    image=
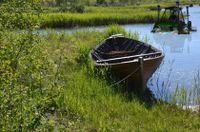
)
(185, 97)
(188, 98)
(66, 93)
(99, 106)
(94, 16)
(100, 16)
(63, 20)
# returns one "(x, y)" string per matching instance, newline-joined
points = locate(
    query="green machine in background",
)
(173, 19)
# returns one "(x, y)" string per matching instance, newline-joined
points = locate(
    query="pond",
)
(182, 56)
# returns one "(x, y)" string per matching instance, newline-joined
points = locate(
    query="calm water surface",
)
(182, 54)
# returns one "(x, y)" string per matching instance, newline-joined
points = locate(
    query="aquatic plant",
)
(187, 98)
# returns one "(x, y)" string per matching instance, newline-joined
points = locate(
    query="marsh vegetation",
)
(119, 12)
(48, 83)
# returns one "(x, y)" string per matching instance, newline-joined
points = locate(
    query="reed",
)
(66, 20)
(94, 16)
(188, 98)
(183, 97)
(99, 16)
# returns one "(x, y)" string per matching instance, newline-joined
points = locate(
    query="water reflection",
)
(175, 43)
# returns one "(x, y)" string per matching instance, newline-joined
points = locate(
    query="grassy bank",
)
(94, 16)
(113, 3)
(60, 20)
(99, 16)
(95, 104)
(55, 87)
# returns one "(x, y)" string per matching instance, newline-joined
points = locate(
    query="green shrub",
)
(72, 7)
(115, 29)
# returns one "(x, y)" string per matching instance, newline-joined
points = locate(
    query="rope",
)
(125, 78)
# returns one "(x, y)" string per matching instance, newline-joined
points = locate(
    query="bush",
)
(79, 8)
(115, 29)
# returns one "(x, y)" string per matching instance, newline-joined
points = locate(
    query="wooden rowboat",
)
(129, 59)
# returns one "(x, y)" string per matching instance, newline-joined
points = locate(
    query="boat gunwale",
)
(128, 57)
(125, 62)
(158, 51)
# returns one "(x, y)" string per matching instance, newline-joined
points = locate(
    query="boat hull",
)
(139, 74)
(129, 60)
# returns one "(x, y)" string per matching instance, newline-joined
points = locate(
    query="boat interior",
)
(120, 48)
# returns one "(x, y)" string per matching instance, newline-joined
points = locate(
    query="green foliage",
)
(100, 2)
(99, 16)
(79, 8)
(115, 29)
(97, 105)
(70, 6)
(44, 84)
(119, 2)
(19, 14)
(23, 71)
(187, 97)
(25, 93)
